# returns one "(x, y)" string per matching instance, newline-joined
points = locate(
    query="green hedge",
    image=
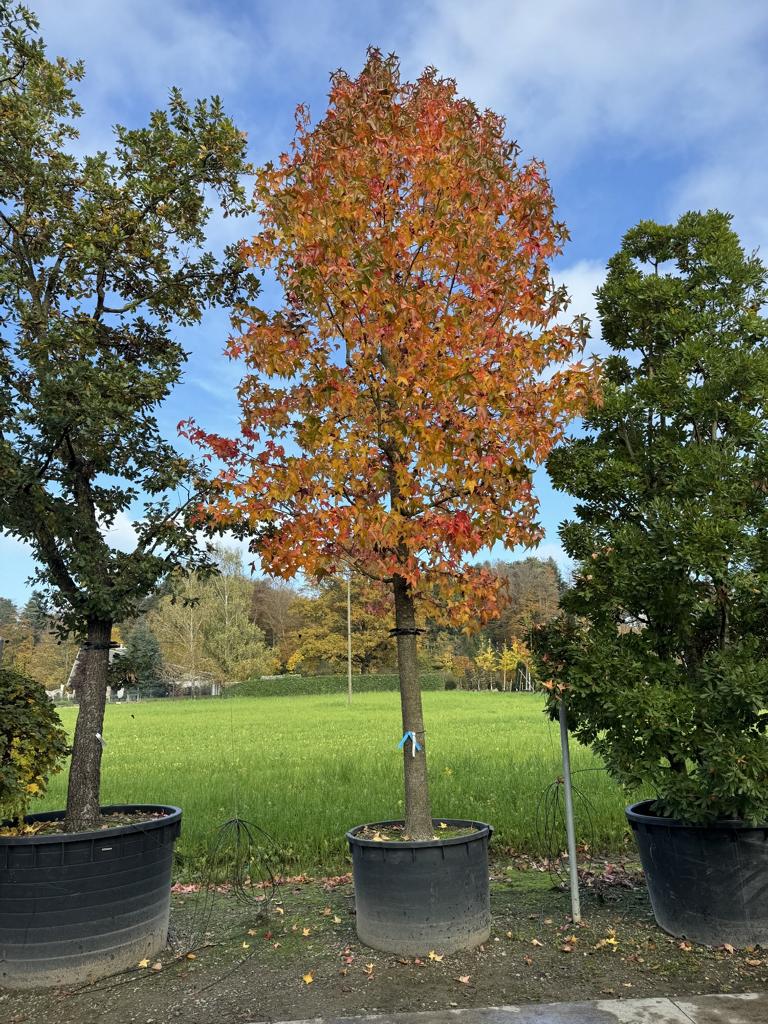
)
(298, 685)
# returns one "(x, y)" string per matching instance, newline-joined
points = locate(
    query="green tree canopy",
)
(664, 648)
(101, 261)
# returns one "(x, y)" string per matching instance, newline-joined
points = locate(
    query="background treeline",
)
(230, 627)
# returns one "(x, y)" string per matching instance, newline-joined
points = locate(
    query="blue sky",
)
(638, 110)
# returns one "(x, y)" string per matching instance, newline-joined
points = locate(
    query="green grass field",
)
(307, 768)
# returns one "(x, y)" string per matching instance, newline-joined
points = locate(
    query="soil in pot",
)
(412, 897)
(75, 907)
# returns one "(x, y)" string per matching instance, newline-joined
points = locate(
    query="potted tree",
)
(396, 405)
(100, 256)
(663, 650)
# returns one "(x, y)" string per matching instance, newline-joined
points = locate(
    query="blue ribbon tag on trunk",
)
(415, 745)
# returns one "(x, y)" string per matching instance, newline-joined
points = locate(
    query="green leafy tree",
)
(101, 260)
(33, 743)
(8, 612)
(663, 647)
(142, 662)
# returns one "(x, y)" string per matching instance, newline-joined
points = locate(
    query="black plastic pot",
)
(76, 907)
(413, 897)
(707, 883)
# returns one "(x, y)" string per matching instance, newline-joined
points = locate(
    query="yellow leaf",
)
(368, 969)
(279, 910)
(144, 962)
(443, 825)
(191, 956)
(306, 931)
(246, 945)
(308, 978)
(435, 956)
(535, 942)
(336, 919)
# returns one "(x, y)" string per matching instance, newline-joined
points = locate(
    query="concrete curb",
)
(750, 1008)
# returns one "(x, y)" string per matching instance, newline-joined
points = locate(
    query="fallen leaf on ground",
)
(191, 956)
(528, 960)
(435, 956)
(369, 969)
(728, 947)
(686, 946)
(336, 919)
(252, 931)
(535, 942)
(279, 910)
(144, 962)
(157, 966)
(463, 979)
(326, 911)
(754, 963)
(308, 978)
(566, 949)
(306, 931)
(246, 945)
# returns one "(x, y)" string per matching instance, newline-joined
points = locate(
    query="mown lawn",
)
(306, 768)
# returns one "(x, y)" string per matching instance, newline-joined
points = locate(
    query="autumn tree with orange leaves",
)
(395, 406)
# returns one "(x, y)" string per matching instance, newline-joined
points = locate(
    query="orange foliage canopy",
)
(396, 404)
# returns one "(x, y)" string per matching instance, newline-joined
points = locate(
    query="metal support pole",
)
(573, 867)
(349, 638)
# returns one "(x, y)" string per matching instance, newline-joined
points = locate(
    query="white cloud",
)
(139, 49)
(122, 533)
(565, 73)
(734, 180)
(581, 279)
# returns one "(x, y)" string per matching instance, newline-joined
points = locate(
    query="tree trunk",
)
(418, 815)
(85, 772)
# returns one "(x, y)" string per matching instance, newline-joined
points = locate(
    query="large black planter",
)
(707, 883)
(413, 897)
(80, 906)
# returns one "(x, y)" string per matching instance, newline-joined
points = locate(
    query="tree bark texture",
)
(418, 813)
(83, 804)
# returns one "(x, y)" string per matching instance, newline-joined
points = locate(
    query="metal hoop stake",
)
(573, 867)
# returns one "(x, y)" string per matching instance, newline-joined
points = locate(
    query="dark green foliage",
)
(306, 685)
(8, 612)
(100, 261)
(142, 663)
(33, 743)
(664, 646)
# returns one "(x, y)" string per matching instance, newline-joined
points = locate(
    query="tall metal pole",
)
(349, 637)
(573, 867)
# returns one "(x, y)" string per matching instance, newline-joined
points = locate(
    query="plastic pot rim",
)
(171, 814)
(638, 813)
(482, 831)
